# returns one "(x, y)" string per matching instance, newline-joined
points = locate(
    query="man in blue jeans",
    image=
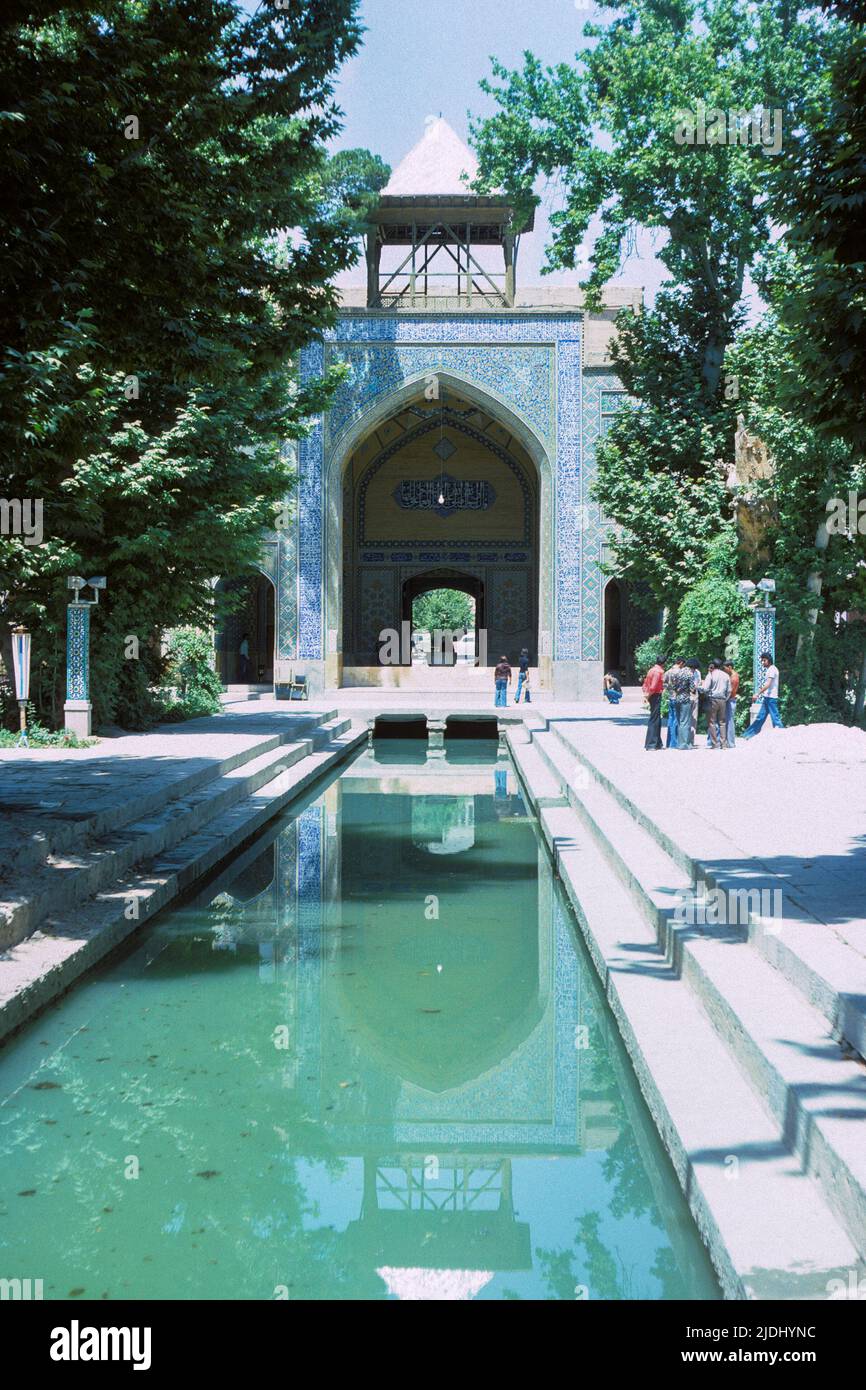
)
(673, 711)
(523, 676)
(769, 697)
(502, 675)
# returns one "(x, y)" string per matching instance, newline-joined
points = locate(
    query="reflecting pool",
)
(370, 1059)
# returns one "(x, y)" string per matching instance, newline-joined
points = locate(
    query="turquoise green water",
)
(370, 1060)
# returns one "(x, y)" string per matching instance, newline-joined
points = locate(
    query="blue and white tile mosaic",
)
(531, 364)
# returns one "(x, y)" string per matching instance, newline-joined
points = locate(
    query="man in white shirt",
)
(769, 697)
(718, 687)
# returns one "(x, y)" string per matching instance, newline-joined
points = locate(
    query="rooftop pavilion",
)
(428, 207)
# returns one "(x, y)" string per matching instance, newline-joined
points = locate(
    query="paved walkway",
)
(792, 800)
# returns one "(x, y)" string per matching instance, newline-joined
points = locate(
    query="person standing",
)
(672, 704)
(653, 685)
(527, 693)
(522, 675)
(695, 701)
(244, 667)
(718, 687)
(731, 706)
(502, 675)
(769, 697)
(679, 681)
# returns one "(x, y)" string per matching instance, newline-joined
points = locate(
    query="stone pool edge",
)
(754, 1257)
(45, 965)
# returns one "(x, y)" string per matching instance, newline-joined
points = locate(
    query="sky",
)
(421, 58)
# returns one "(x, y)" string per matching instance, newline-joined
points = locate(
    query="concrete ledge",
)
(69, 828)
(733, 1159)
(812, 956)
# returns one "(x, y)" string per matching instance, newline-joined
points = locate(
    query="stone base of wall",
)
(578, 680)
(460, 680)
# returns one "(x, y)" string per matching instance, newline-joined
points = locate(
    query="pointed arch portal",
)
(442, 491)
(547, 396)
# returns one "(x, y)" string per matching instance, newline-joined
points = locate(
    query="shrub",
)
(714, 623)
(647, 653)
(190, 670)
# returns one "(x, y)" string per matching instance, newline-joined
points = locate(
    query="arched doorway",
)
(442, 492)
(613, 627)
(245, 630)
(472, 587)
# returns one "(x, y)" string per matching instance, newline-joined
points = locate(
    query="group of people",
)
(502, 677)
(688, 693)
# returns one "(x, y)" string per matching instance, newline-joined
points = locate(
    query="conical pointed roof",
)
(434, 166)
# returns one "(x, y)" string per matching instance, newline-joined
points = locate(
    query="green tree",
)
(819, 567)
(611, 129)
(819, 197)
(443, 609)
(712, 622)
(190, 669)
(171, 229)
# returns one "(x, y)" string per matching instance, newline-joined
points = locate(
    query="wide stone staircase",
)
(92, 847)
(747, 1038)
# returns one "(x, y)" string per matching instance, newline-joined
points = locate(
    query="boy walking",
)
(769, 697)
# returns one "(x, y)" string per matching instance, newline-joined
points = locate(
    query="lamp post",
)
(21, 670)
(765, 624)
(77, 709)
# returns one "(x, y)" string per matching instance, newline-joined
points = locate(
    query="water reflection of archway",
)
(246, 630)
(451, 1002)
(255, 878)
(443, 824)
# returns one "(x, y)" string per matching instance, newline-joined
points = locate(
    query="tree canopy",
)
(171, 228)
(733, 131)
(444, 610)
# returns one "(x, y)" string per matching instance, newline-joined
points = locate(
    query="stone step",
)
(729, 1152)
(828, 972)
(238, 694)
(331, 729)
(63, 827)
(815, 1090)
(546, 786)
(782, 1043)
(63, 881)
(46, 963)
(659, 884)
